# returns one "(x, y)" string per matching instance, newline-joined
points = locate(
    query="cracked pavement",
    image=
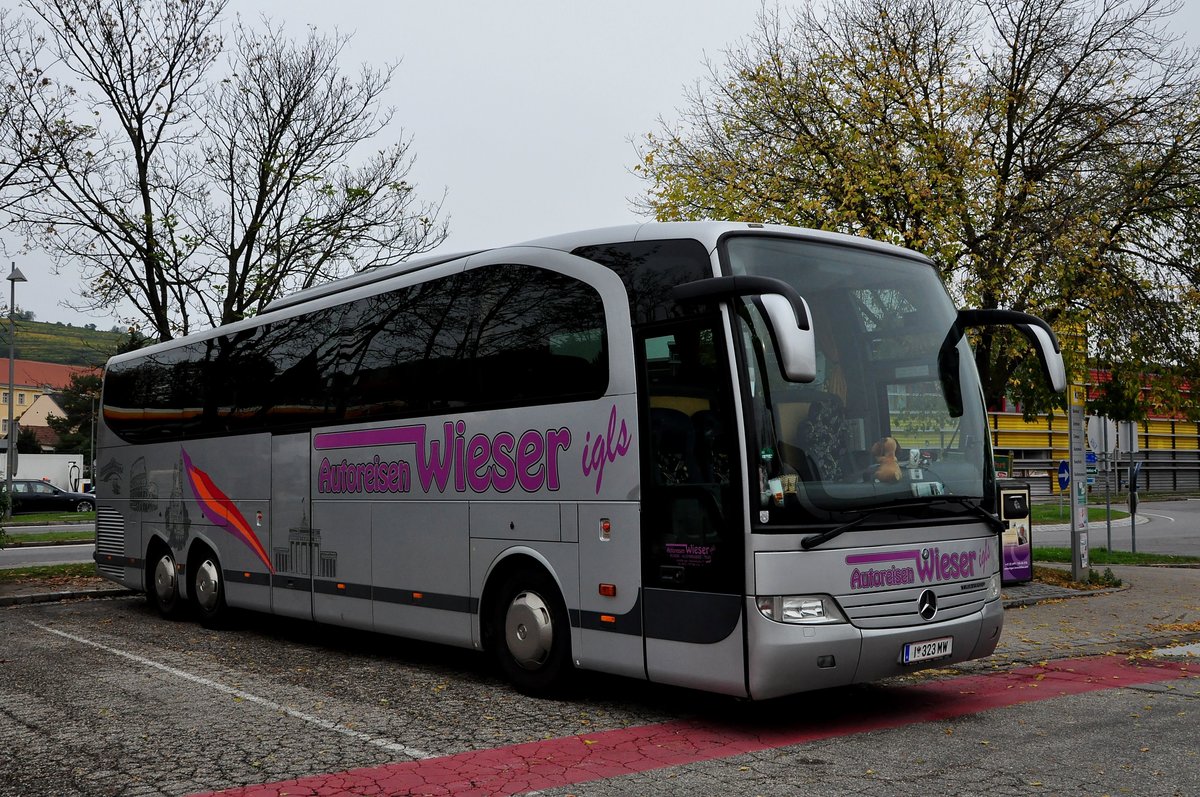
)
(103, 697)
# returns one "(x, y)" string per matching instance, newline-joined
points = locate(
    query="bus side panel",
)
(247, 579)
(341, 536)
(223, 501)
(695, 639)
(421, 584)
(610, 625)
(292, 550)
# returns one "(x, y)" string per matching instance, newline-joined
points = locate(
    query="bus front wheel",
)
(530, 633)
(208, 588)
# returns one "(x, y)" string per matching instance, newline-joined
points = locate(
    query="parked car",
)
(32, 495)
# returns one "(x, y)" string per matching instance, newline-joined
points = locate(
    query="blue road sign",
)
(1064, 474)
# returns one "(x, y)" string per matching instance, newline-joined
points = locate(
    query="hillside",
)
(60, 343)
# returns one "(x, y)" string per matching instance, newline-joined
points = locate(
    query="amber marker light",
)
(418, 596)
(607, 618)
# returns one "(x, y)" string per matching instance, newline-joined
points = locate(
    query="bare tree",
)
(20, 144)
(196, 197)
(281, 208)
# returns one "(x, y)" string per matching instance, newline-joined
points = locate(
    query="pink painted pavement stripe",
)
(576, 759)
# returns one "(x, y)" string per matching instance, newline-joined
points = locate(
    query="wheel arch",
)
(504, 565)
(155, 545)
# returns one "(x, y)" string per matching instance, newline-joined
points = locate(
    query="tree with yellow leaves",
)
(1044, 153)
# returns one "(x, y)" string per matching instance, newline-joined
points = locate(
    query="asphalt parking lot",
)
(102, 697)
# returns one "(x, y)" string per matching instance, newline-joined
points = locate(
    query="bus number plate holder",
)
(927, 649)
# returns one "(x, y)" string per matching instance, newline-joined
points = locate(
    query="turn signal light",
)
(608, 590)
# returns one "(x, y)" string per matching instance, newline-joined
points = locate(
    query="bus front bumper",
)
(788, 658)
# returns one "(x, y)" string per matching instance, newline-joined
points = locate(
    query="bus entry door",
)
(692, 533)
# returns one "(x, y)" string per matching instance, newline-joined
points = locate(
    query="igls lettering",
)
(605, 447)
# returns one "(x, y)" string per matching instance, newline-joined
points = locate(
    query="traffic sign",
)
(1064, 474)
(1092, 466)
(1102, 434)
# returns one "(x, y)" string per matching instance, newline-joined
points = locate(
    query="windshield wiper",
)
(994, 523)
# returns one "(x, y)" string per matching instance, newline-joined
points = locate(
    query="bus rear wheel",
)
(208, 588)
(162, 583)
(530, 633)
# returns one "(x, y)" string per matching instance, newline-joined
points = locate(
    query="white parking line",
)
(386, 744)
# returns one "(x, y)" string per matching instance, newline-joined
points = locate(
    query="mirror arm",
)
(719, 288)
(979, 318)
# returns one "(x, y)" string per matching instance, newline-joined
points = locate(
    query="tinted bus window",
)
(494, 337)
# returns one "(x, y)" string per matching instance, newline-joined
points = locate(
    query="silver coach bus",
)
(734, 457)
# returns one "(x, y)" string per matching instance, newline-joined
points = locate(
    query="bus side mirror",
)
(1035, 330)
(795, 347)
(786, 311)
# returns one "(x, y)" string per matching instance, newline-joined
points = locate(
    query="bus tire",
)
(531, 634)
(162, 582)
(208, 587)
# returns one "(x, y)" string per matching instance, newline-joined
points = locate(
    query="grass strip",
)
(1050, 513)
(1102, 556)
(48, 572)
(84, 534)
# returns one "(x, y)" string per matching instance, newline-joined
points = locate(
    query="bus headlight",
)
(993, 588)
(807, 609)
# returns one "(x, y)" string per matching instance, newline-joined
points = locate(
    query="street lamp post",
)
(13, 278)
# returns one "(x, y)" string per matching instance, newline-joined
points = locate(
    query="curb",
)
(65, 595)
(47, 544)
(1061, 594)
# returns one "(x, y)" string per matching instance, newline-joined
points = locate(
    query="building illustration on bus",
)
(644, 450)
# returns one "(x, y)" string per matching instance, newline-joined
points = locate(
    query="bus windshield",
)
(882, 424)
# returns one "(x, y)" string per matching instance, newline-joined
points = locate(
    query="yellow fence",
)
(1169, 450)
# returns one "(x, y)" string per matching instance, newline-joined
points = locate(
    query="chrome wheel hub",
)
(164, 580)
(208, 585)
(529, 630)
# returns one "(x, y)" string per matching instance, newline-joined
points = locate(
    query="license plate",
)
(929, 649)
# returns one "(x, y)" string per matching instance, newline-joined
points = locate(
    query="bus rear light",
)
(800, 609)
(608, 590)
(605, 529)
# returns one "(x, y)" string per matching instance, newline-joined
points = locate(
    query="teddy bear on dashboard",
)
(887, 469)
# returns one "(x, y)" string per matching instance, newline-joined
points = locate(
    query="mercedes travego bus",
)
(734, 457)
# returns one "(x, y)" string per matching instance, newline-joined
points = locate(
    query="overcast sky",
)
(522, 112)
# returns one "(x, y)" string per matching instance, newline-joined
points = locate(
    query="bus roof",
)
(708, 233)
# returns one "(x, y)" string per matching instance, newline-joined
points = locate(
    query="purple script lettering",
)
(598, 451)
(453, 460)
(376, 476)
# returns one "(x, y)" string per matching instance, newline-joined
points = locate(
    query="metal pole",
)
(12, 336)
(1107, 486)
(92, 439)
(1133, 505)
